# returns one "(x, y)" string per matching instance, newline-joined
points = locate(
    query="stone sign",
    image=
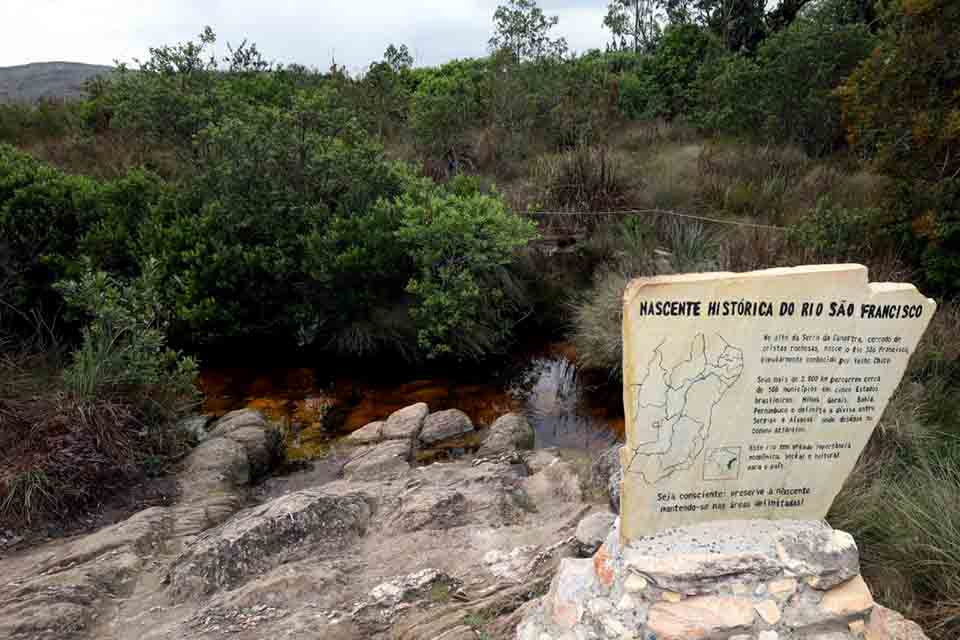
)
(751, 395)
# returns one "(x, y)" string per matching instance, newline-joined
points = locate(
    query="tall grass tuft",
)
(581, 179)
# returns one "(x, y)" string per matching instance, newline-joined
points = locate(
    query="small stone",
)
(443, 425)
(614, 628)
(700, 617)
(405, 424)
(671, 596)
(886, 624)
(769, 611)
(602, 566)
(768, 635)
(850, 598)
(593, 530)
(599, 606)
(626, 603)
(783, 587)
(573, 581)
(635, 583)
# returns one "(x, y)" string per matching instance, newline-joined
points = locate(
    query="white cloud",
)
(311, 33)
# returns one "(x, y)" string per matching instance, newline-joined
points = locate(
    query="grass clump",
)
(581, 179)
(900, 503)
(106, 420)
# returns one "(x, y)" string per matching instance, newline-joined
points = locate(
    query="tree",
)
(902, 110)
(741, 24)
(386, 87)
(634, 23)
(521, 28)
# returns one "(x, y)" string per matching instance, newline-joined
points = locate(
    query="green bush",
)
(123, 348)
(662, 85)
(785, 93)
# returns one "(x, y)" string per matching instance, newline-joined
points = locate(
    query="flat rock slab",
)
(444, 425)
(405, 424)
(261, 538)
(694, 559)
(379, 460)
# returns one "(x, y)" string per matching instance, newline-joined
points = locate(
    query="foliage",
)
(634, 24)
(461, 246)
(521, 28)
(662, 84)
(784, 94)
(902, 109)
(123, 348)
(443, 108)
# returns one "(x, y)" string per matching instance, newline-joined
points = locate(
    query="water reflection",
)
(564, 409)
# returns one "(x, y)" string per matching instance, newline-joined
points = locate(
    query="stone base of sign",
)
(729, 580)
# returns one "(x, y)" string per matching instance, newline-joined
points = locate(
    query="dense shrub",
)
(662, 85)
(902, 109)
(785, 93)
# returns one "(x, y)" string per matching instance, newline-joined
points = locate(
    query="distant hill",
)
(46, 80)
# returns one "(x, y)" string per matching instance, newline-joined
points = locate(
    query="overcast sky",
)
(313, 32)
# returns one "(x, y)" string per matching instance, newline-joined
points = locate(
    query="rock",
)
(769, 611)
(885, 624)
(388, 599)
(510, 432)
(379, 460)
(569, 591)
(433, 508)
(443, 425)
(848, 599)
(194, 427)
(367, 434)
(700, 617)
(606, 473)
(696, 559)
(266, 536)
(210, 485)
(238, 419)
(405, 424)
(512, 567)
(539, 460)
(593, 530)
(251, 429)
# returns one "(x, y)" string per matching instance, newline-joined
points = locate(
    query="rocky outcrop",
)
(761, 580)
(267, 536)
(509, 433)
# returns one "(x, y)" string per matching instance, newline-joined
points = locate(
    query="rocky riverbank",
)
(385, 548)
(378, 545)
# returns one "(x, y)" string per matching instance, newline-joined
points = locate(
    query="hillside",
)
(35, 81)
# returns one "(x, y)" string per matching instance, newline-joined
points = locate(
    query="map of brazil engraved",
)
(675, 408)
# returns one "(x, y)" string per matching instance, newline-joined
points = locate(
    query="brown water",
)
(316, 406)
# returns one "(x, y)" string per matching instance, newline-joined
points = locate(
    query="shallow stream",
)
(566, 408)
